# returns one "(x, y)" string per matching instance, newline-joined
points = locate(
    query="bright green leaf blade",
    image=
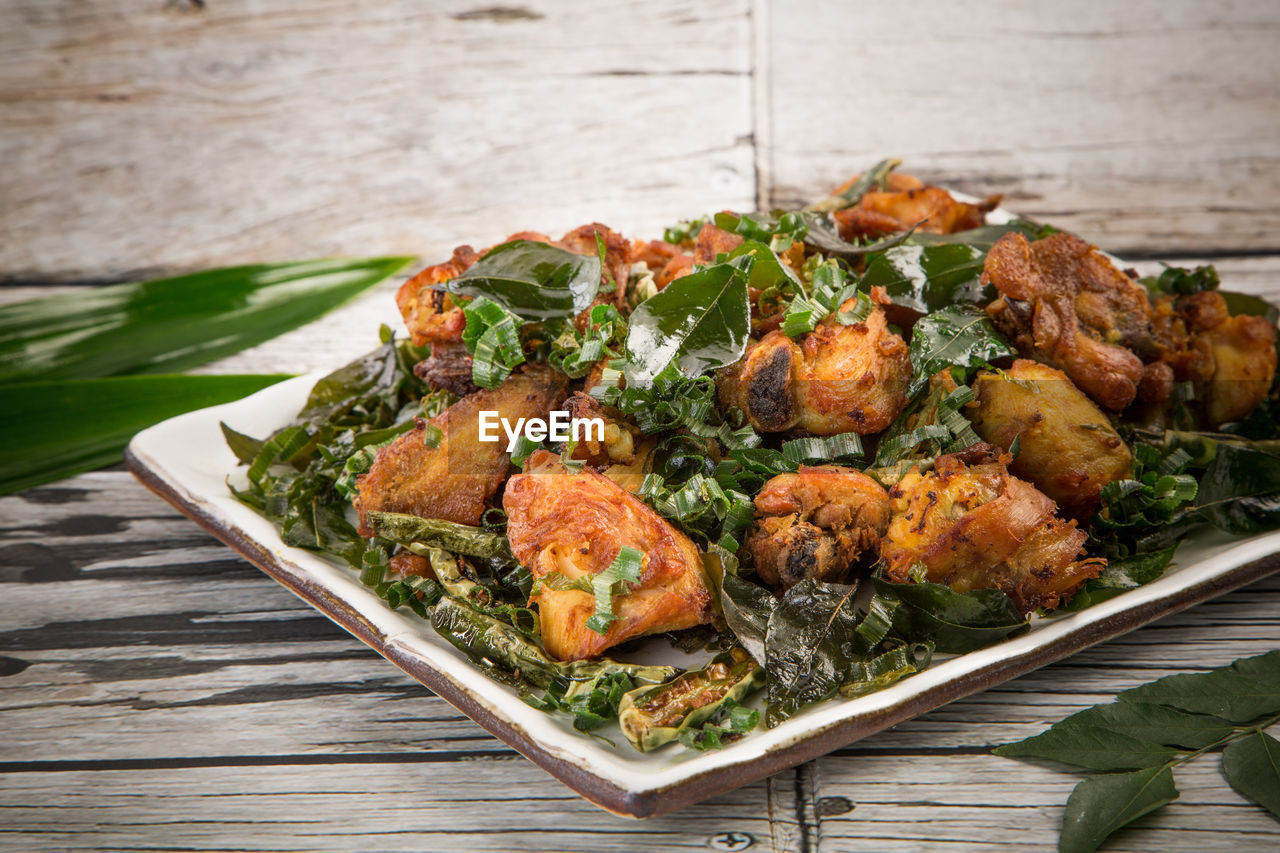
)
(1088, 746)
(172, 324)
(55, 429)
(1252, 767)
(1223, 693)
(1102, 804)
(533, 280)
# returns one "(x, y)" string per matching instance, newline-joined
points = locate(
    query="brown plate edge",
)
(605, 793)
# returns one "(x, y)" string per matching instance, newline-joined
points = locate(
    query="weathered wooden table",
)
(159, 692)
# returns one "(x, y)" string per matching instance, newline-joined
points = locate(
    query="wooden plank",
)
(1146, 126)
(486, 805)
(176, 136)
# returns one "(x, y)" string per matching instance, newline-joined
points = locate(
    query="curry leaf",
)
(956, 622)
(1153, 723)
(169, 325)
(1240, 490)
(875, 177)
(1252, 768)
(1121, 574)
(1102, 804)
(929, 278)
(52, 430)
(1226, 693)
(984, 236)
(747, 608)
(534, 280)
(1093, 747)
(700, 321)
(955, 336)
(807, 646)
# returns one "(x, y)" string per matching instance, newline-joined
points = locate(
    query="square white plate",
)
(186, 461)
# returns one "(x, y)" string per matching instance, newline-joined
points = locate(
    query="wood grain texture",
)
(1145, 126)
(163, 136)
(160, 693)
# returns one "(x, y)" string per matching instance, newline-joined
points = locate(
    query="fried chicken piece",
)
(456, 479)
(711, 241)
(816, 523)
(1069, 448)
(1064, 303)
(908, 201)
(431, 316)
(619, 442)
(973, 525)
(1231, 360)
(575, 524)
(836, 379)
(448, 367)
(429, 313)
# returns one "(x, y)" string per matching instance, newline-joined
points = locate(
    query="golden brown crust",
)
(575, 524)
(837, 379)
(816, 523)
(1069, 448)
(974, 525)
(456, 479)
(1063, 303)
(906, 203)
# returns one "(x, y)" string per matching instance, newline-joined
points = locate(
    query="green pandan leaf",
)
(55, 429)
(169, 325)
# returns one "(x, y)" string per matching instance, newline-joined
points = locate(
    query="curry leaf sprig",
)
(1139, 741)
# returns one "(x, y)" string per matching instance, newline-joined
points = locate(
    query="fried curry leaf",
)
(1240, 490)
(1121, 574)
(956, 622)
(534, 280)
(171, 324)
(929, 278)
(984, 236)
(807, 646)
(700, 321)
(747, 608)
(876, 177)
(955, 336)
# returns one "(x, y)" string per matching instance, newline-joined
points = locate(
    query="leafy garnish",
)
(1137, 513)
(1180, 281)
(1155, 729)
(956, 622)
(700, 322)
(955, 336)
(612, 581)
(929, 278)
(674, 401)
(807, 646)
(730, 722)
(492, 336)
(574, 353)
(875, 177)
(702, 508)
(534, 280)
(828, 289)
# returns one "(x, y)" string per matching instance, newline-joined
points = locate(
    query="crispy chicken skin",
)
(836, 379)
(575, 524)
(973, 525)
(455, 480)
(1231, 360)
(816, 523)
(1069, 448)
(431, 316)
(1064, 303)
(906, 202)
